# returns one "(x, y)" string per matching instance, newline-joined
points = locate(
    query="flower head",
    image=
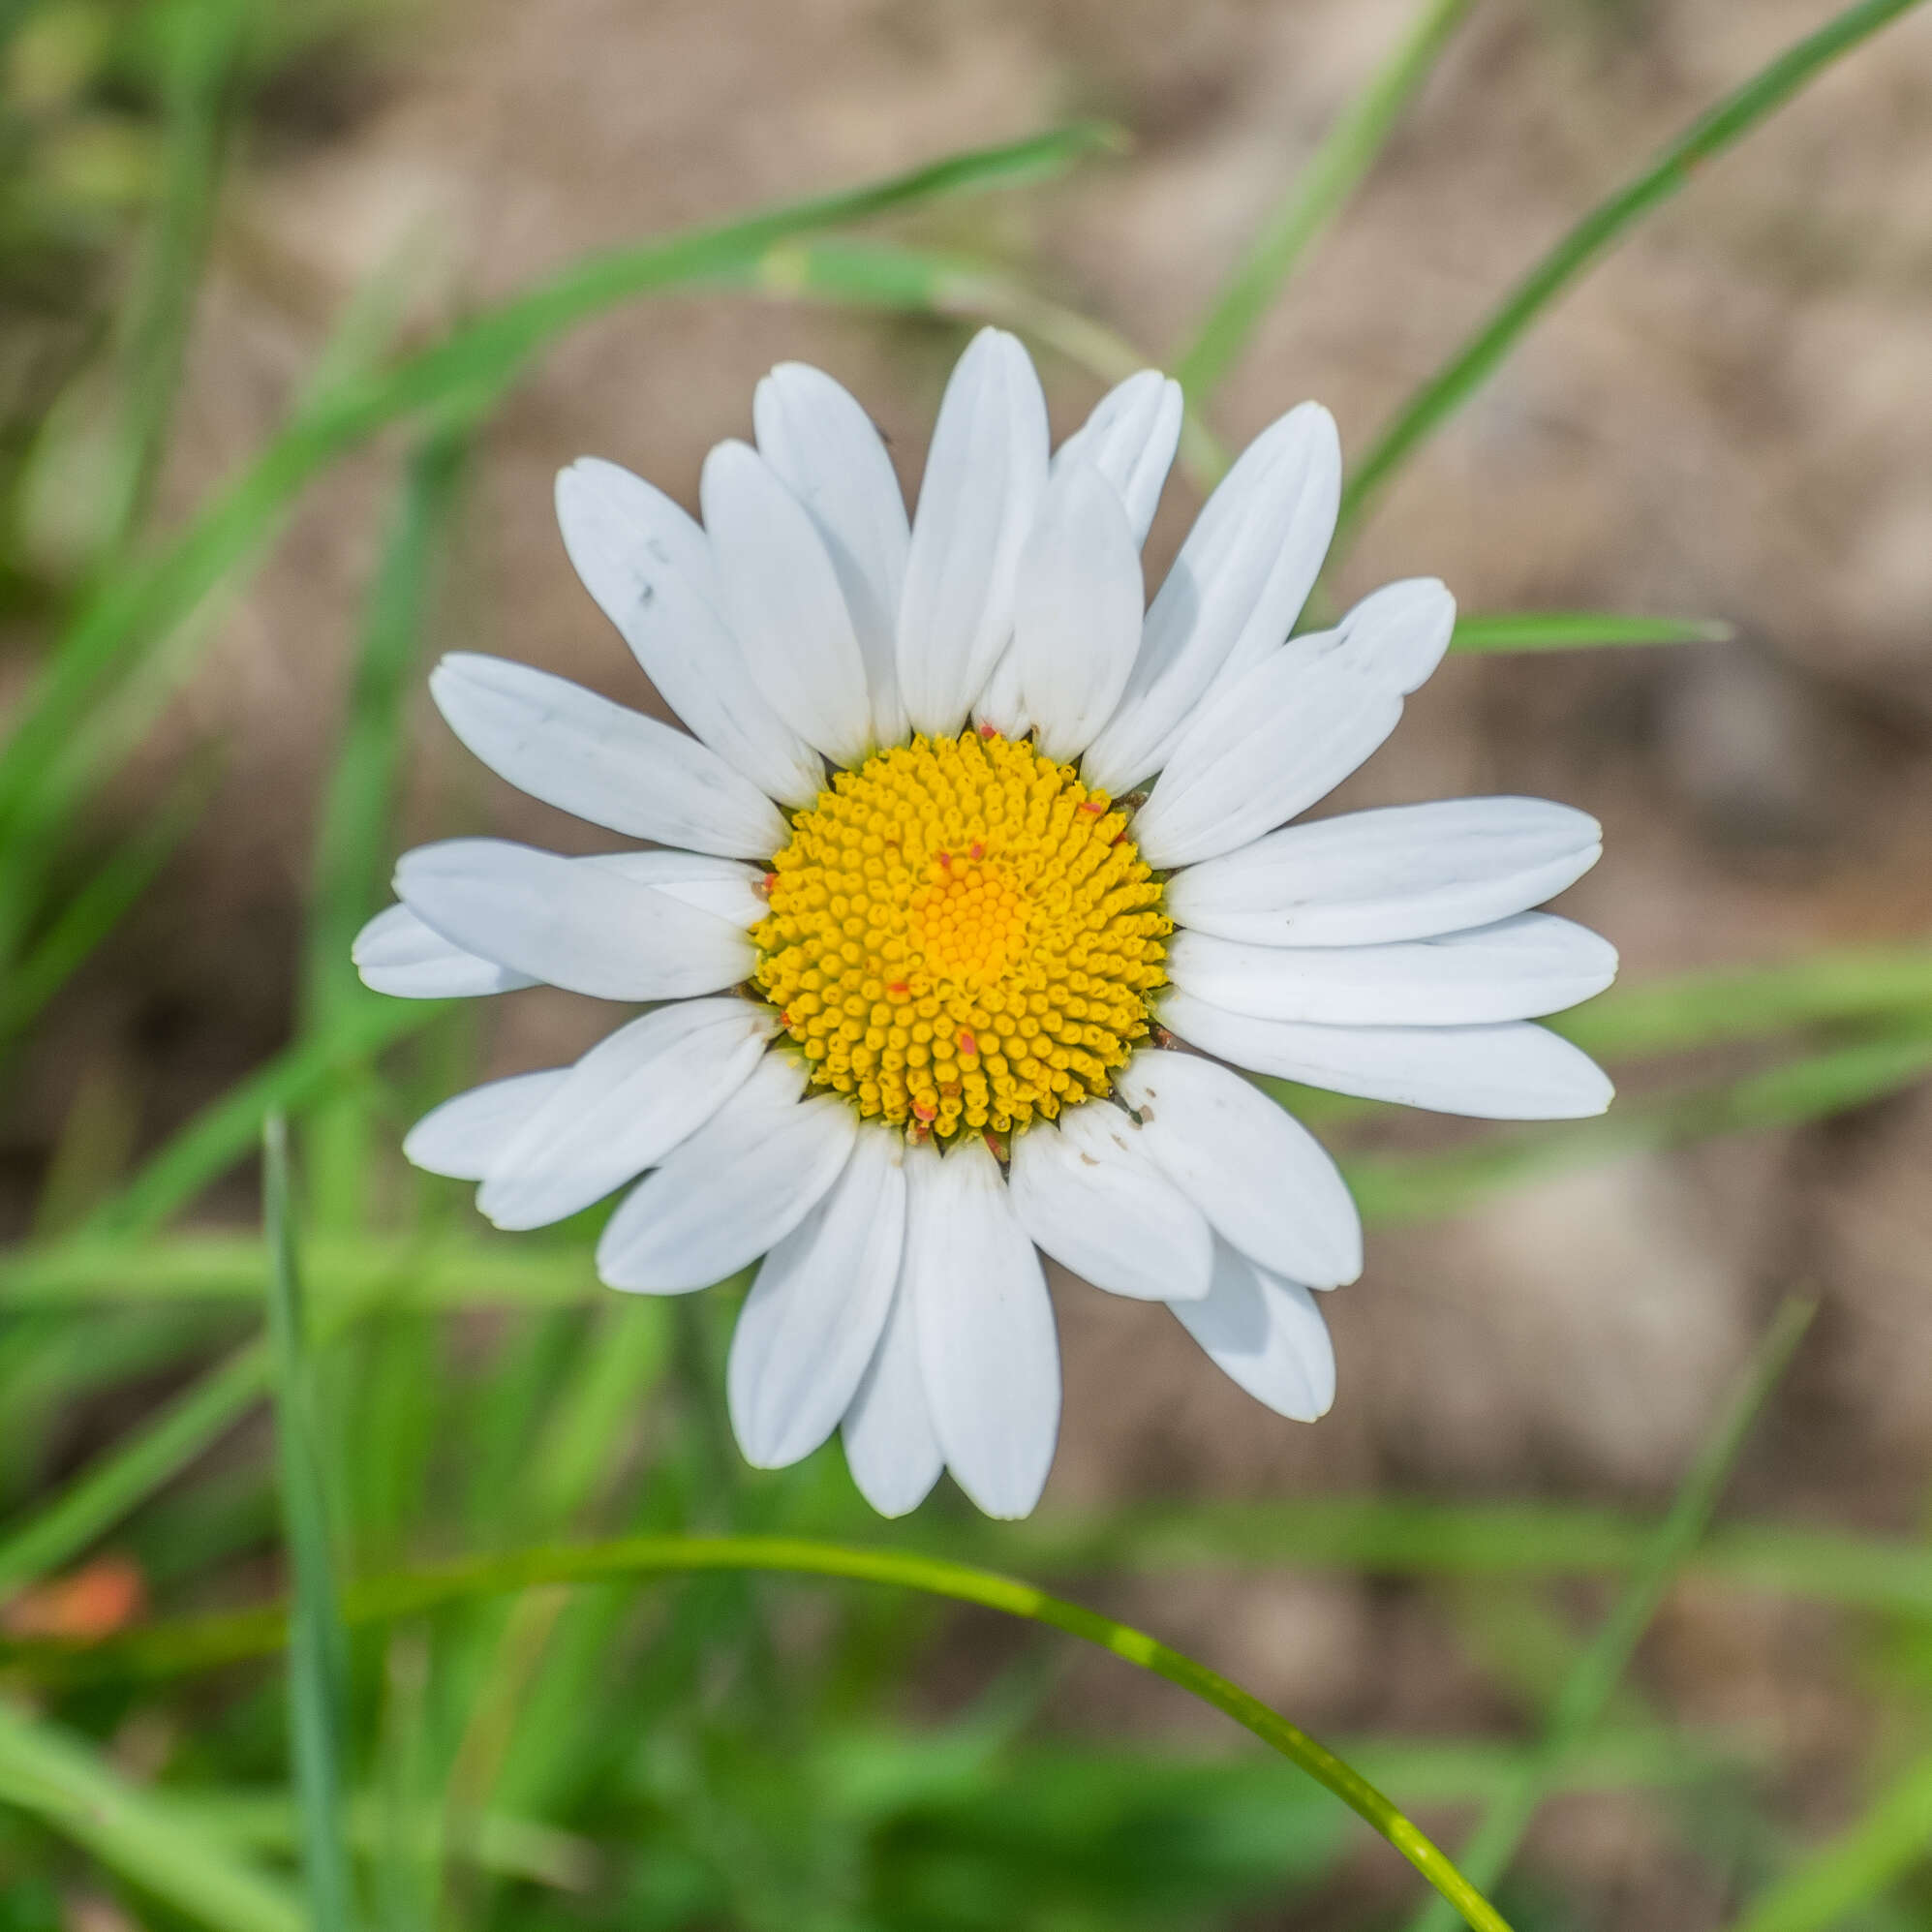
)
(965, 892)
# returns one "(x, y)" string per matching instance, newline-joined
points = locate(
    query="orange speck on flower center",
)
(961, 937)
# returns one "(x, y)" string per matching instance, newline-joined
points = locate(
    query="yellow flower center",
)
(962, 936)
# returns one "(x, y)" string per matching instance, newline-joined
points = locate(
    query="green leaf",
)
(1580, 630)
(1332, 174)
(54, 1777)
(1709, 136)
(317, 1651)
(1857, 1866)
(1587, 1691)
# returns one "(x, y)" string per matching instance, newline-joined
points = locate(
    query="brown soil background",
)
(1733, 416)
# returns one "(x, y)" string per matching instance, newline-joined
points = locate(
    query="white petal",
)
(719, 886)
(649, 568)
(987, 1355)
(1092, 1200)
(463, 1136)
(1242, 575)
(811, 1323)
(1259, 1176)
(623, 1108)
(824, 446)
(615, 767)
(1267, 1334)
(1401, 632)
(1406, 871)
(1076, 610)
(1130, 439)
(397, 954)
(782, 599)
(1266, 748)
(1516, 969)
(579, 927)
(1002, 704)
(733, 1191)
(1517, 1071)
(890, 1447)
(984, 477)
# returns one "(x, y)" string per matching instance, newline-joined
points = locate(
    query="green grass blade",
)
(353, 844)
(54, 1777)
(226, 1131)
(117, 1481)
(137, 607)
(1587, 1690)
(317, 1651)
(1704, 1009)
(1580, 630)
(207, 53)
(1332, 174)
(1720, 128)
(1856, 1867)
(387, 1599)
(96, 907)
(1428, 1186)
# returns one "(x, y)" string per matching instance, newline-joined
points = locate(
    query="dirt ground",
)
(1730, 417)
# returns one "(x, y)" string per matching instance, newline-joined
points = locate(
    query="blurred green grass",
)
(701, 1752)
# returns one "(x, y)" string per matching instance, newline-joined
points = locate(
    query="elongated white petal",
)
(733, 1191)
(1262, 1180)
(719, 886)
(1130, 439)
(1519, 1072)
(988, 1354)
(463, 1136)
(1243, 573)
(890, 1448)
(649, 568)
(1406, 871)
(811, 1323)
(1267, 748)
(632, 1100)
(1092, 1200)
(1516, 969)
(984, 477)
(1002, 705)
(824, 446)
(582, 928)
(1076, 610)
(1267, 1334)
(397, 954)
(615, 767)
(1401, 632)
(782, 599)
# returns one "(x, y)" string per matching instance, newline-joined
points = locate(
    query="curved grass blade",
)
(138, 605)
(317, 1651)
(1606, 225)
(1332, 174)
(1581, 629)
(56, 1778)
(205, 1642)
(1587, 1689)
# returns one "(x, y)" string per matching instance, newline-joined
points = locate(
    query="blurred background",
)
(221, 223)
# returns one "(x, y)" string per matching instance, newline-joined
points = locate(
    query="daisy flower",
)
(962, 898)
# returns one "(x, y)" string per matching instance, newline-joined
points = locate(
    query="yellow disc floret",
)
(962, 936)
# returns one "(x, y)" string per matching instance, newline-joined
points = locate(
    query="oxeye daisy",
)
(965, 895)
